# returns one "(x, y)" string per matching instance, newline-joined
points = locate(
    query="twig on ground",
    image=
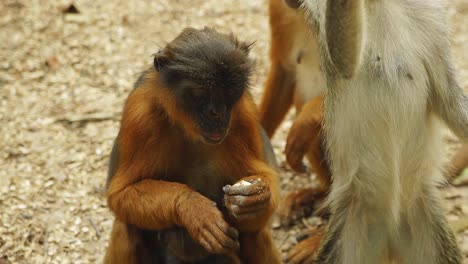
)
(98, 234)
(94, 117)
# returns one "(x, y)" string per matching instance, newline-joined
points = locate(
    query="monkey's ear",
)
(160, 60)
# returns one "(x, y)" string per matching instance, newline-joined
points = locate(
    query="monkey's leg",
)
(360, 226)
(120, 249)
(277, 97)
(258, 248)
(425, 236)
(182, 246)
(130, 245)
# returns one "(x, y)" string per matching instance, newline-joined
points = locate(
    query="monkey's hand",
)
(300, 203)
(205, 224)
(304, 251)
(248, 198)
(299, 140)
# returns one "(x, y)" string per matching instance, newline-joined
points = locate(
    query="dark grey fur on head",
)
(206, 57)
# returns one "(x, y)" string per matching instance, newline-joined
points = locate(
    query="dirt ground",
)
(63, 82)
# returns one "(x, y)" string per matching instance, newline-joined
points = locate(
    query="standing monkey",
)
(295, 78)
(389, 83)
(188, 182)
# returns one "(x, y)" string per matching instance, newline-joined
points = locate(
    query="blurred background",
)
(65, 71)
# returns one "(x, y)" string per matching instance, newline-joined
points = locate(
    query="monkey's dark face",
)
(207, 72)
(210, 107)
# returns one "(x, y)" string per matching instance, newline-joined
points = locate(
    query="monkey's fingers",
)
(233, 233)
(253, 188)
(238, 211)
(304, 251)
(228, 230)
(205, 244)
(299, 255)
(247, 201)
(219, 242)
(250, 215)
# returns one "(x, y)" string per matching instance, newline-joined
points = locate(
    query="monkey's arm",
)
(132, 195)
(448, 99)
(277, 97)
(344, 29)
(249, 204)
(148, 204)
(304, 134)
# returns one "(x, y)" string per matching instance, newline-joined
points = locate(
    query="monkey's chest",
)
(204, 178)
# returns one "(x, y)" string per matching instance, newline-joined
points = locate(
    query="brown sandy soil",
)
(63, 81)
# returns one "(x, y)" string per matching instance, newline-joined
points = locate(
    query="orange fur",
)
(157, 186)
(279, 87)
(301, 253)
(305, 137)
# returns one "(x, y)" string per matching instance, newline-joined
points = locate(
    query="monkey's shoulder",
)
(144, 76)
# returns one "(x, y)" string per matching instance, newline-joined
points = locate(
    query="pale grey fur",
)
(382, 127)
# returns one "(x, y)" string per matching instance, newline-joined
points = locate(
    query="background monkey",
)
(389, 81)
(189, 140)
(295, 78)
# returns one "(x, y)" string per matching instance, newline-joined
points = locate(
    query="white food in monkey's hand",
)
(243, 183)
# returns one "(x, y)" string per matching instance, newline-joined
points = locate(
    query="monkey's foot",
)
(304, 251)
(301, 203)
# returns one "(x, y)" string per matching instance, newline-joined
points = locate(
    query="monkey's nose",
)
(217, 112)
(214, 113)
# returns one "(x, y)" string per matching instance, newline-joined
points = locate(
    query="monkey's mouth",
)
(214, 138)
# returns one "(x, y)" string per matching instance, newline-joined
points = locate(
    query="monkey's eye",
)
(198, 92)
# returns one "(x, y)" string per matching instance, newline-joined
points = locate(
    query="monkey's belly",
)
(181, 248)
(381, 139)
